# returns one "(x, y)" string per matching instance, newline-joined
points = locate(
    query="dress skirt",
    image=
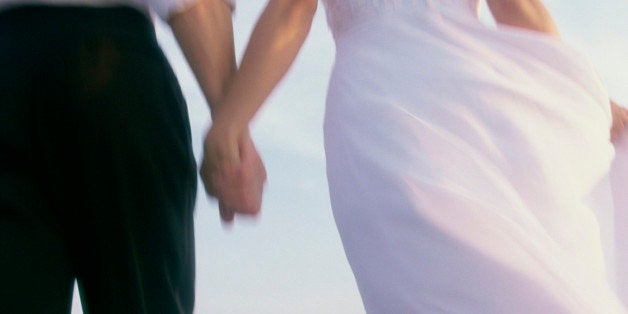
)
(468, 167)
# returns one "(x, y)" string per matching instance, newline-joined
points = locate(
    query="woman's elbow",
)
(299, 10)
(310, 6)
(306, 7)
(506, 6)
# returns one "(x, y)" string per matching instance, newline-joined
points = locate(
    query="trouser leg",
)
(108, 137)
(35, 271)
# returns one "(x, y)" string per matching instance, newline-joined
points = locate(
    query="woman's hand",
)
(620, 121)
(528, 14)
(233, 171)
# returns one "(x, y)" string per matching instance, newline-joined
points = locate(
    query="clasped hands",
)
(233, 171)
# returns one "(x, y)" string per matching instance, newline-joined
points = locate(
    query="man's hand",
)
(233, 172)
(620, 121)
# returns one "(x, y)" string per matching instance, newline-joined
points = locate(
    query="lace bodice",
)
(343, 14)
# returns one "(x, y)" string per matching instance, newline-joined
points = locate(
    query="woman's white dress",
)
(467, 164)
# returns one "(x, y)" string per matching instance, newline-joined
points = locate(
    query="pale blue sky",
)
(291, 259)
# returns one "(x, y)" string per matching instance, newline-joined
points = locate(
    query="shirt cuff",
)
(232, 4)
(166, 8)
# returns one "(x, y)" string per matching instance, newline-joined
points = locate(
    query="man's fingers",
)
(226, 214)
(224, 178)
(209, 172)
(242, 201)
(238, 186)
(237, 192)
(232, 172)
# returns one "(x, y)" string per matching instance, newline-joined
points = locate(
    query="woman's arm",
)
(529, 14)
(274, 44)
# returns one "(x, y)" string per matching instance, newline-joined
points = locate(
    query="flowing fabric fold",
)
(619, 178)
(468, 166)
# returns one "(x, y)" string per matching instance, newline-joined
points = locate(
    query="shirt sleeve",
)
(166, 8)
(232, 4)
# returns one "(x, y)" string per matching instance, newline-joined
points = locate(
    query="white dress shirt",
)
(163, 8)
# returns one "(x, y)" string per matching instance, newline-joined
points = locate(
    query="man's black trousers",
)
(97, 174)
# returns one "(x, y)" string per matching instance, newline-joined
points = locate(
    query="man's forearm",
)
(205, 34)
(529, 14)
